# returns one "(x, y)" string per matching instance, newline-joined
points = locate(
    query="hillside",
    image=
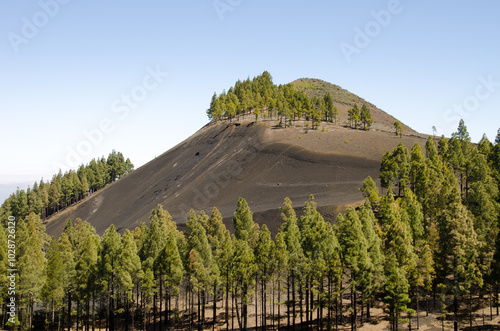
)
(344, 100)
(257, 161)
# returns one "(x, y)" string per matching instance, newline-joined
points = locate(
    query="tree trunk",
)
(338, 303)
(215, 306)
(199, 310)
(320, 308)
(191, 307)
(154, 311)
(329, 308)
(301, 299)
(87, 324)
(470, 307)
(497, 287)
(307, 301)
(77, 314)
(227, 302)
(279, 303)
(244, 307)
(293, 299)
(238, 318)
(232, 309)
(491, 304)
(274, 304)
(418, 309)
(203, 302)
(69, 310)
(288, 301)
(354, 305)
(256, 301)
(264, 304)
(52, 319)
(311, 302)
(161, 299)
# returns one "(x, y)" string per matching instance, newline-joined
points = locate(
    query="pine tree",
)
(86, 267)
(148, 291)
(413, 210)
(218, 236)
(387, 170)
(281, 257)
(67, 252)
(370, 191)
(399, 129)
(354, 257)
(170, 268)
(417, 169)
(494, 276)
(402, 170)
(375, 274)
(225, 262)
(353, 116)
(457, 252)
(485, 146)
(53, 288)
(244, 270)
(84, 187)
(366, 117)
(264, 252)
(400, 259)
(154, 240)
(54, 197)
(481, 202)
(109, 263)
(244, 226)
(443, 147)
(202, 268)
(130, 273)
(396, 289)
(329, 107)
(316, 242)
(31, 263)
(296, 257)
(4, 262)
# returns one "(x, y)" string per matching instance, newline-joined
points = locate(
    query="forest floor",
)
(485, 318)
(481, 320)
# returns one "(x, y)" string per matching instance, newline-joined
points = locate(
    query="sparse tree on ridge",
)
(353, 116)
(329, 107)
(399, 129)
(366, 117)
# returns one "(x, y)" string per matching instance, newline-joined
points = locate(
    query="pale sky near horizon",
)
(81, 78)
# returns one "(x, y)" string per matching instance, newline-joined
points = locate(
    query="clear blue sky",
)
(67, 67)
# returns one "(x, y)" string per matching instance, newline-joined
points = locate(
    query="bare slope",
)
(345, 100)
(224, 161)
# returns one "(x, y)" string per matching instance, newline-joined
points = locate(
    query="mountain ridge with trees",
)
(309, 99)
(228, 151)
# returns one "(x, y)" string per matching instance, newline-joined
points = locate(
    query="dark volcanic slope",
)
(223, 161)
